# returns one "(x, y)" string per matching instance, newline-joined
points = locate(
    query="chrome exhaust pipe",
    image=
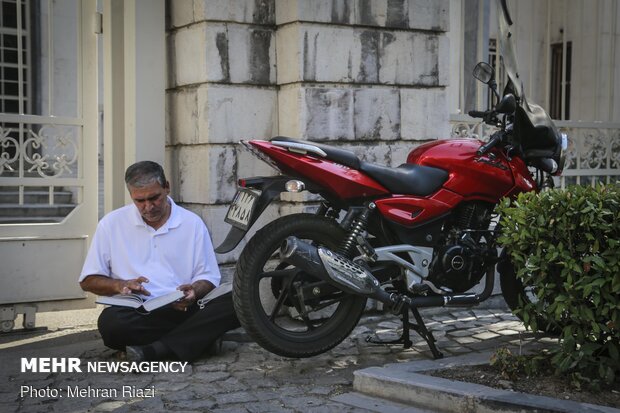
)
(334, 269)
(350, 277)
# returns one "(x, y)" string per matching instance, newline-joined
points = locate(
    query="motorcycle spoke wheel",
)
(298, 315)
(285, 310)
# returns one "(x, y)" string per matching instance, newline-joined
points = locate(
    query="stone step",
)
(35, 197)
(377, 404)
(408, 384)
(27, 211)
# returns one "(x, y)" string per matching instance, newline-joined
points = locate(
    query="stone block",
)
(323, 114)
(225, 53)
(414, 59)
(213, 216)
(377, 114)
(170, 169)
(171, 62)
(424, 114)
(377, 152)
(429, 15)
(399, 152)
(308, 52)
(182, 116)
(327, 114)
(289, 107)
(181, 12)
(189, 46)
(240, 11)
(251, 55)
(324, 11)
(206, 174)
(249, 165)
(228, 114)
(401, 14)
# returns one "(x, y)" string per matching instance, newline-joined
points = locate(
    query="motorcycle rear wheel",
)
(315, 325)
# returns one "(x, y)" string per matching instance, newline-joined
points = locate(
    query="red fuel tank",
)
(488, 177)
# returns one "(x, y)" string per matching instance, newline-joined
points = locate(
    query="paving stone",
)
(208, 377)
(236, 397)
(459, 333)
(485, 336)
(267, 394)
(457, 349)
(507, 332)
(234, 409)
(302, 403)
(109, 406)
(466, 340)
(321, 390)
(274, 406)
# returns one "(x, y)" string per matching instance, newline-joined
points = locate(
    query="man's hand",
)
(102, 285)
(134, 286)
(192, 293)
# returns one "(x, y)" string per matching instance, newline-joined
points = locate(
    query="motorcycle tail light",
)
(295, 186)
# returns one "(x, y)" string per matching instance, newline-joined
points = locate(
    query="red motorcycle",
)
(418, 235)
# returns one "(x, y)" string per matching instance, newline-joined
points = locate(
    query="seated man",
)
(152, 247)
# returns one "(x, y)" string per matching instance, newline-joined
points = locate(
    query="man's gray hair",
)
(143, 173)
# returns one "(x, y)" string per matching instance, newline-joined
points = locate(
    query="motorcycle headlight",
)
(562, 157)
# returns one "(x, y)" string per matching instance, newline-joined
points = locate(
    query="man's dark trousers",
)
(186, 333)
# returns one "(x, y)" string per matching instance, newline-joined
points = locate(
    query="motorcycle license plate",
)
(241, 209)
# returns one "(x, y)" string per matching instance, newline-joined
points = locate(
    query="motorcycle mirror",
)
(507, 105)
(484, 72)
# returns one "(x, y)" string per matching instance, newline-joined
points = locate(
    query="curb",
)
(406, 383)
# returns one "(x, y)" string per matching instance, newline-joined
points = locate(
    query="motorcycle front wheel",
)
(516, 294)
(285, 310)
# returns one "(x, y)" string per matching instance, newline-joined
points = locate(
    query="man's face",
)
(152, 202)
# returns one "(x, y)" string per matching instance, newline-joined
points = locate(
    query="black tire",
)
(515, 294)
(276, 332)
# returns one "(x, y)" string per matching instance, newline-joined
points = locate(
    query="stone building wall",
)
(369, 76)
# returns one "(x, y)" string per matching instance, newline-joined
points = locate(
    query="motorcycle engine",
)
(460, 263)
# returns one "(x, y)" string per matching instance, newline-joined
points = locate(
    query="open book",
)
(223, 288)
(135, 301)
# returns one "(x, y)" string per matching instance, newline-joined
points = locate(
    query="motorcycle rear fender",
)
(271, 187)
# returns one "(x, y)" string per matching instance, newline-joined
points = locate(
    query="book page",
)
(124, 300)
(162, 300)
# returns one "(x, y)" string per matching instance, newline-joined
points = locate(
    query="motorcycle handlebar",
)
(495, 138)
(478, 113)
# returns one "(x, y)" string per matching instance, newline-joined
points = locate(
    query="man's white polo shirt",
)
(180, 252)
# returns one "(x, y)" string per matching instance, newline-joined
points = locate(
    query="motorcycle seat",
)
(407, 179)
(341, 156)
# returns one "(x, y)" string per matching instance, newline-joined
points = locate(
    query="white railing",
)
(593, 148)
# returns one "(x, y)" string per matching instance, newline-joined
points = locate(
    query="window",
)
(14, 46)
(556, 95)
(14, 75)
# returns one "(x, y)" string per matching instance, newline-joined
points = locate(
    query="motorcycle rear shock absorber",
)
(358, 226)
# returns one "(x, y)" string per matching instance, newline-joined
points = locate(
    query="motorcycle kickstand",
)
(427, 335)
(404, 339)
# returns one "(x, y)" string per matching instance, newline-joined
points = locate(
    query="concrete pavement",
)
(243, 377)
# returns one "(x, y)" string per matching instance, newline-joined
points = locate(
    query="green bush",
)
(566, 245)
